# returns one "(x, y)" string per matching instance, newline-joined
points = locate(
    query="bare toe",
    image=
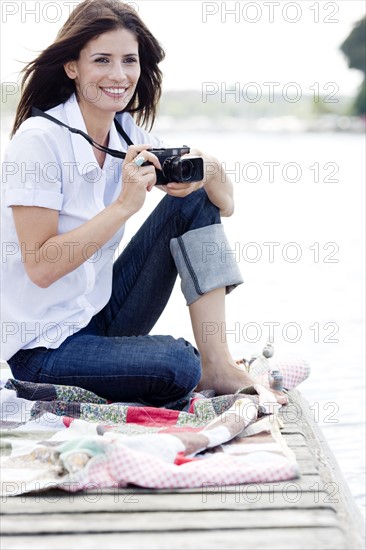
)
(281, 397)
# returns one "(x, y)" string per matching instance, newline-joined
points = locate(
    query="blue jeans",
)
(114, 356)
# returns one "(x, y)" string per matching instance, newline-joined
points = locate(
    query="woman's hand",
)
(217, 184)
(184, 189)
(137, 180)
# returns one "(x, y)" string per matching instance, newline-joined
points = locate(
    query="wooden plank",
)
(307, 467)
(291, 497)
(165, 521)
(304, 452)
(276, 539)
(296, 441)
(312, 482)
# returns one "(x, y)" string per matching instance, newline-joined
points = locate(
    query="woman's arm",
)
(219, 187)
(37, 228)
(48, 256)
(216, 182)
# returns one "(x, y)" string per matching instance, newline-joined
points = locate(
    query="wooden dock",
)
(315, 511)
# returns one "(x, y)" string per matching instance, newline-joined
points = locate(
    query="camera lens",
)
(178, 170)
(172, 169)
(188, 170)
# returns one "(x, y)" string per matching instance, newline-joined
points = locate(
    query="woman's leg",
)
(153, 370)
(145, 273)
(219, 370)
(114, 356)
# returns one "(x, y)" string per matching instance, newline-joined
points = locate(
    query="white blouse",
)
(46, 165)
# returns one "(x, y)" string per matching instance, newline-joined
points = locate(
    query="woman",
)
(75, 318)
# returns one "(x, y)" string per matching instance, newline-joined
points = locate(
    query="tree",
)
(354, 48)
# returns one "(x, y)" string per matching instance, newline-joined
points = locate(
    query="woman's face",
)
(107, 72)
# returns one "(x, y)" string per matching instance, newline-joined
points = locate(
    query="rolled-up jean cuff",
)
(205, 261)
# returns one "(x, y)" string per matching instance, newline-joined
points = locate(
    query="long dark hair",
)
(45, 83)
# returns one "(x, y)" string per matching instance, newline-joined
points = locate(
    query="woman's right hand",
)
(137, 180)
(38, 228)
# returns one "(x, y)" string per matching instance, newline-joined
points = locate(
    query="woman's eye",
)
(130, 60)
(102, 60)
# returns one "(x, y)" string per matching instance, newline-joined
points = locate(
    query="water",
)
(307, 281)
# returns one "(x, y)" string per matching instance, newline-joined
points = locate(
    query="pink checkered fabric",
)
(121, 466)
(294, 371)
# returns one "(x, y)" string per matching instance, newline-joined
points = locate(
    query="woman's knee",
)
(202, 211)
(196, 210)
(188, 365)
(180, 368)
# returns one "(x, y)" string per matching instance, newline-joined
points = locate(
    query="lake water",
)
(299, 238)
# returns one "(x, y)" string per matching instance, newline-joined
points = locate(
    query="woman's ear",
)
(70, 69)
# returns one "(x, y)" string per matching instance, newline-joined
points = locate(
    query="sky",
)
(215, 44)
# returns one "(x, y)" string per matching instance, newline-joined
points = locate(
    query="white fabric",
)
(47, 166)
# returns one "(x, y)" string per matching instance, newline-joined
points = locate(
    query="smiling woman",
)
(92, 29)
(77, 318)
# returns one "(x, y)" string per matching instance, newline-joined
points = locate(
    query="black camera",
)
(177, 169)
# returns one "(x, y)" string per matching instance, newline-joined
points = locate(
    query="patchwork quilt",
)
(70, 438)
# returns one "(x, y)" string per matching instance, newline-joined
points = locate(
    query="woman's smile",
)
(114, 92)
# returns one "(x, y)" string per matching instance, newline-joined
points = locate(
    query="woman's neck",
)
(97, 128)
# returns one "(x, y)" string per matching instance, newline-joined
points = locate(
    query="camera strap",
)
(112, 152)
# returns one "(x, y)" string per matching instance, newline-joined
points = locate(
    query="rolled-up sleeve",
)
(31, 172)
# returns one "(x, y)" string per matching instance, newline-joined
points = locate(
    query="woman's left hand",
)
(217, 184)
(184, 189)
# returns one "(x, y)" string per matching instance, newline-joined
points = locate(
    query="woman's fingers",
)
(135, 170)
(182, 189)
(134, 150)
(141, 154)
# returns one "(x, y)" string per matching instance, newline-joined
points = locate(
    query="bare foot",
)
(229, 379)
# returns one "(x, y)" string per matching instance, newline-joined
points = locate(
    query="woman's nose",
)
(117, 72)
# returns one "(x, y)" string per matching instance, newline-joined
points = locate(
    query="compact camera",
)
(177, 169)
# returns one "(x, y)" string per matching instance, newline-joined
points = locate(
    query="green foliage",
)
(354, 47)
(360, 101)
